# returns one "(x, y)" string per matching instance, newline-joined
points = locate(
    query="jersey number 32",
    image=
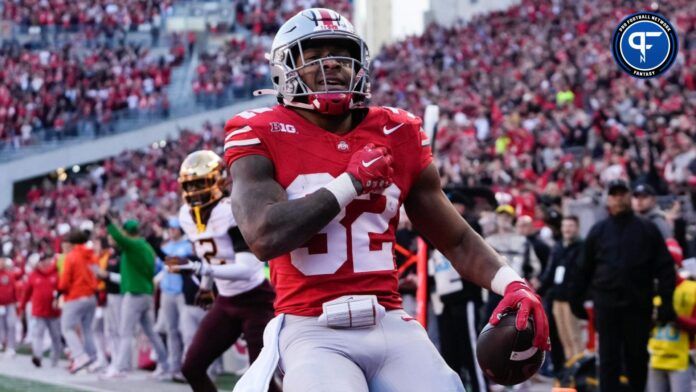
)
(359, 232)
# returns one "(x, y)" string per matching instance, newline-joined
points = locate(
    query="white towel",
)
(260, 373)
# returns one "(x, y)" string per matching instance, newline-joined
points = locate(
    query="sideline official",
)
(624, 256)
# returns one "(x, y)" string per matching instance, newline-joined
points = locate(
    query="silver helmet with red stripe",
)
(289, 63)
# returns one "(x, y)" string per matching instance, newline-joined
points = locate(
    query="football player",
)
(318, 182)
(245, 300)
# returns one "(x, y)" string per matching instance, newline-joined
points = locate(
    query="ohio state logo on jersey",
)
(343, 146)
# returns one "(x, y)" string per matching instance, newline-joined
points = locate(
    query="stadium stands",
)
(60, 92)
(73, 15)
(532, 96)
(538, 129)
(237, 68)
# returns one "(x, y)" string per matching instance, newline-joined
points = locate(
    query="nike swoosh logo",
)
(389, 131)
(368, 164)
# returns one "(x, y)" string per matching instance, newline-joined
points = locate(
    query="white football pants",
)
(394, 356)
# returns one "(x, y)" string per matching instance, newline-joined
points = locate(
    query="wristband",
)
(343, 190)
(204, 269)
(503, 278)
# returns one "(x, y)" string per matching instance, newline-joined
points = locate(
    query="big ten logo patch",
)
(280, 127)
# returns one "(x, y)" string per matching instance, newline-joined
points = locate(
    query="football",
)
(506, 355)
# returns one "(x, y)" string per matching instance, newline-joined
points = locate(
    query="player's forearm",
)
(121, 239)
(271, 224)
(474, 259)
(287, 225)
(231, 272)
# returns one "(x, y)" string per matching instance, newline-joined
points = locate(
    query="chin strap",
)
(333, 104)
(200, 226)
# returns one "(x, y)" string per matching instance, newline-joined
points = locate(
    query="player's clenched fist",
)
(372, 167)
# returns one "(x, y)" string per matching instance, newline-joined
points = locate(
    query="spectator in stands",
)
(137, 272)
(91, 15)
(644, 203)
(41, 290)
(623, 256)
(239, 65)
(555, 281)
(8, 308)
(525, 227)
(78, 285)
(91, 86)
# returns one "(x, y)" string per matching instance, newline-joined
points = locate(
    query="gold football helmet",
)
(203, 178)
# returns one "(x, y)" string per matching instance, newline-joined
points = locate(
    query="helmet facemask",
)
(202, 191)
(202, 178)
(287, 75)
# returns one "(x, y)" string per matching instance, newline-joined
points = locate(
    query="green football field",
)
(8, 384)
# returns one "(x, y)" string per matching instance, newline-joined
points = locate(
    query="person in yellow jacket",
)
(670, 343)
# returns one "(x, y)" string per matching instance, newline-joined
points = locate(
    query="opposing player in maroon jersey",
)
(319, 180)
(245, 301)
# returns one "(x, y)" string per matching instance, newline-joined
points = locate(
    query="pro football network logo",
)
(645, 45)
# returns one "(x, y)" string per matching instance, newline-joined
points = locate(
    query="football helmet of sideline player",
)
(245, 300)
(203, 180)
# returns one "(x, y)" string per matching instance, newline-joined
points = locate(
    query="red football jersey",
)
(354, 253)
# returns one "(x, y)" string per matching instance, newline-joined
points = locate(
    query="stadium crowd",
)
(238, 67)
(542, 103)
(73, 89)
(144, 183)
(71, 16)
(531, 106)
(265, 17)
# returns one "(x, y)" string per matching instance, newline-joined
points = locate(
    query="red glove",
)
(371, 166)
(521, 297)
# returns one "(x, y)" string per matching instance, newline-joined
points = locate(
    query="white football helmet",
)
(310, 25)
